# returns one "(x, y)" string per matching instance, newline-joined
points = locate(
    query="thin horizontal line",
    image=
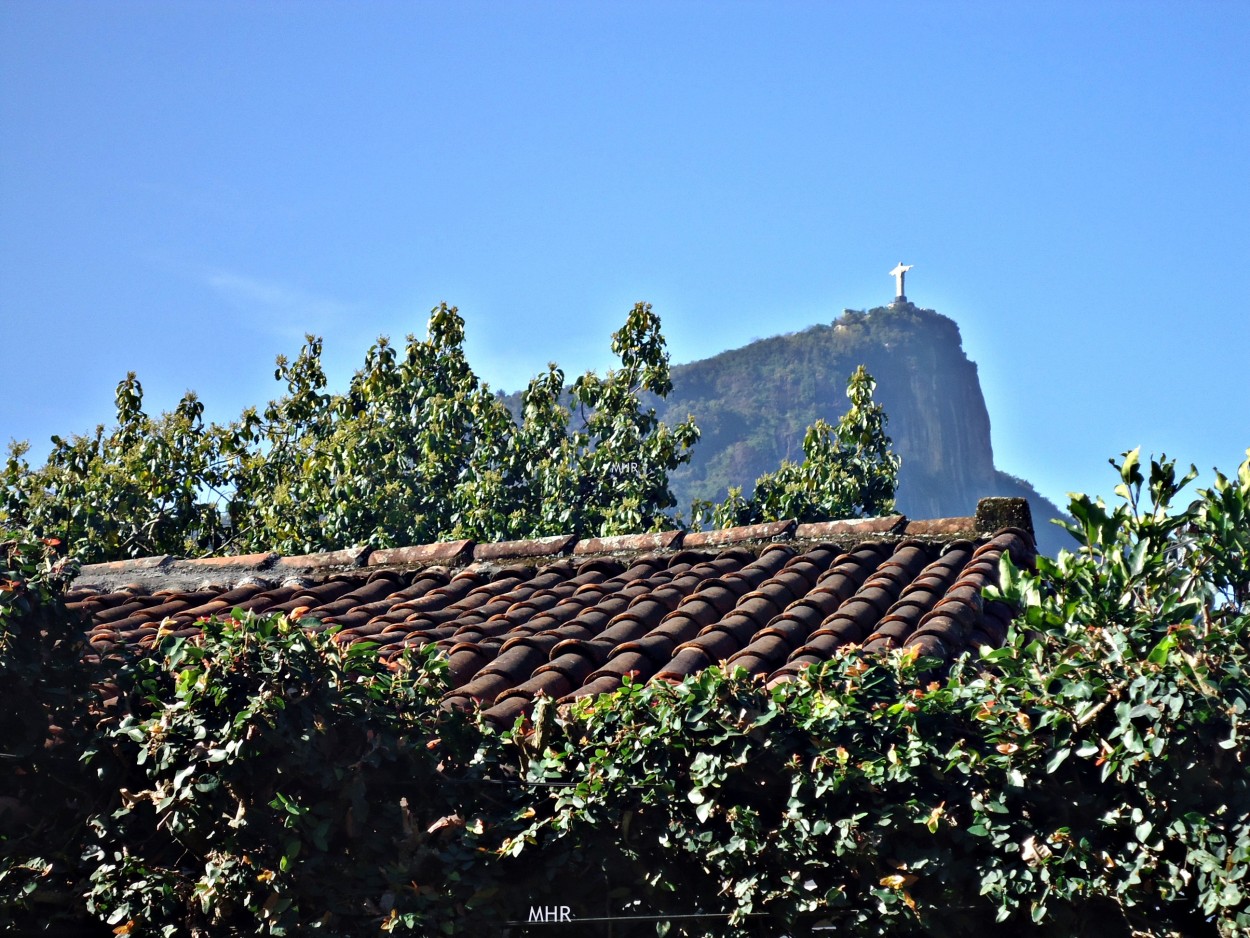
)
(641, 918)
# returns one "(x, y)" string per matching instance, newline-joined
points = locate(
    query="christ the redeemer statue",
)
(898, 273)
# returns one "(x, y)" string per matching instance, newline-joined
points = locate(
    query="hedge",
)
(1089, 777)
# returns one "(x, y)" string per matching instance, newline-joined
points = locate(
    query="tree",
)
(622, 453)
(848, 471)
(600, 469)
(381, 464)
(418, 449)
(149, 486)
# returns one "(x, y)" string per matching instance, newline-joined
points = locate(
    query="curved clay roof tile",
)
(679, 627)
(793, 626)
(464, 661)
(659, 648)
(685, 559)
(760, 607)
(552, 684)
(697, 608)
(484, 687)
(952, 630)
(629, 662)
(690, 659)
(930, 646)
(739, 628)
(878, 594)
(771, 651)
(505, 713)
(909, 611)
(717, 645)
(574, 666)
(907, 623)
(820, 647)
(624, 628)
(846, 631)
(603, 567)
(595, 651)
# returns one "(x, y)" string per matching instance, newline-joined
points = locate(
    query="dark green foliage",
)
(149, 486)
(48, 719)
(258, 779)
(268, 780)
(1088, 778)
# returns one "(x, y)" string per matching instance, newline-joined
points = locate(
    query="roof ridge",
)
(992, 515)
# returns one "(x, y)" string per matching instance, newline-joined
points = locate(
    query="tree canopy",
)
(847, 471)
(417, 449)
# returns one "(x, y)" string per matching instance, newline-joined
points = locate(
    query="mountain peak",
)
(754, 403)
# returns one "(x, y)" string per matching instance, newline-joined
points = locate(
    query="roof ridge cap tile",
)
(550, 546)
(651, 541)
(327, 559)
(441, 552)
(880, 524)
(944, 527)
(258, 561)
(767, 531)
(129, 565)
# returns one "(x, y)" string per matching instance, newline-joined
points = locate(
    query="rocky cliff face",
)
(754, 404)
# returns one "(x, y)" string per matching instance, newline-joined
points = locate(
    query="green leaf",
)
(1130, 469)
(1057, 759)
(1162, 649)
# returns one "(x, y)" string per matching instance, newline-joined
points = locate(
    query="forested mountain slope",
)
(754, 403)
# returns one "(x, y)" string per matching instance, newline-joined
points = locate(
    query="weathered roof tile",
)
(752, 532)
(326, 560)
(448, 552)
(535, 547)
(855, 527)
(628, 542)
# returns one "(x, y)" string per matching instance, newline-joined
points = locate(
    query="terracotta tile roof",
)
(566, 619)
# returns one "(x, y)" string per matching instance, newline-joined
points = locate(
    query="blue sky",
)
(185, 189)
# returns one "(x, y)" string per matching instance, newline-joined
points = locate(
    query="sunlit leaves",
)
(417, 449)
(847, 471)
(147, 487)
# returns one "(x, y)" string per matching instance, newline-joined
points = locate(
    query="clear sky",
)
(186, 188)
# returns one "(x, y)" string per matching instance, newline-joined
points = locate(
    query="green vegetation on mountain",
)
(753, 405)
(846, 471)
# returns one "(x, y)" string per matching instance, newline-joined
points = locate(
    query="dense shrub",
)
(48, 720)
(258, 778)
(267, 777)
(1087, 778)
